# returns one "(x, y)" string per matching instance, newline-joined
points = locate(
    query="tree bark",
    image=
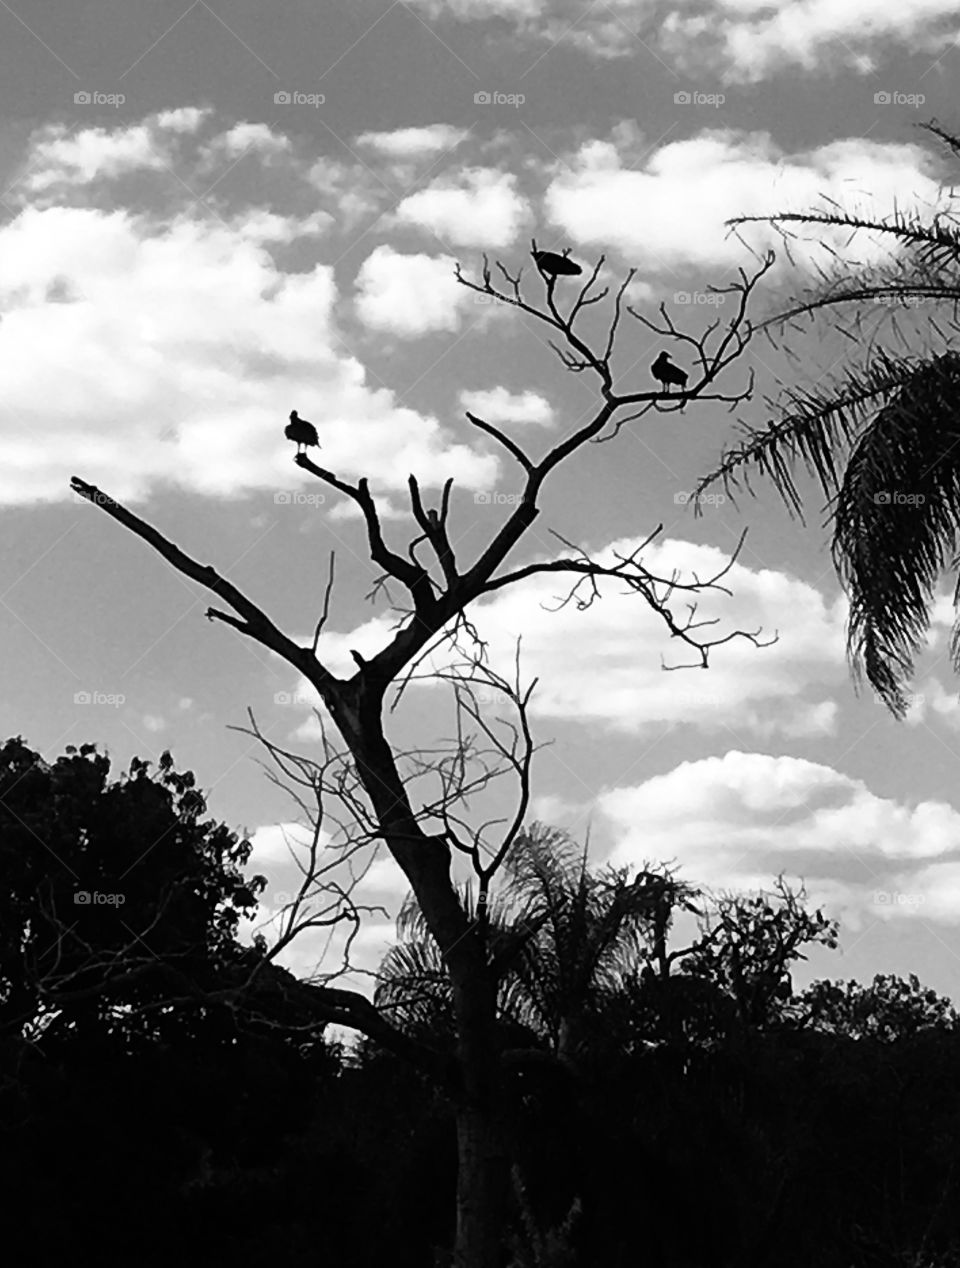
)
(482, 1178)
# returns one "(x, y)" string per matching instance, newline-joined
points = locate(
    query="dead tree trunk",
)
(439, 602)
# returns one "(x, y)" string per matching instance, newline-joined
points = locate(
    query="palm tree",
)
(563, 943)
(883, 440)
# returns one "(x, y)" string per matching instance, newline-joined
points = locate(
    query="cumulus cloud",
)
(750, 40)
(499, 405)
(737, 821)
(403, 143)
(409, 295)
(616, 680)
(671, 211)
(476, 207)
(63, 158)
(743, 41)
(245, 137)
(175, 338)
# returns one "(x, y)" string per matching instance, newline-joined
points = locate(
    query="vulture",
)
(301, 431)
(664, 370)
(553, 266)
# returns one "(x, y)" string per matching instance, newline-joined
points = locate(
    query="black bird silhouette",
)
(552, 265)
(664, 370)
(301, 431)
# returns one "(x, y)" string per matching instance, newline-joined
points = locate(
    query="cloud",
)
(409, 295)
(672, 211)
(498, 405)
(737, 821)
(742, 41)
(245, 137)
(405, 143)
(178, 341)
(183, 119)
(616, 680)
(749, 40)
(477, 207)
(61, 158)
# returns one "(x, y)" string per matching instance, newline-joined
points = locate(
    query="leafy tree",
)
(120, 902)
(750, 942)
(889, 1009)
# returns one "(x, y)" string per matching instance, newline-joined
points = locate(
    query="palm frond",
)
(896, 524)
(816, 426)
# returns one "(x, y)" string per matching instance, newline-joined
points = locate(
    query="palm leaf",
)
(896, 524)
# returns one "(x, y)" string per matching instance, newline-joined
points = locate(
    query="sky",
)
(211, 214)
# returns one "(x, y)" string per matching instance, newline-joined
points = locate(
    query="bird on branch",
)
(553, 266)
(667, 373)
(301, 431)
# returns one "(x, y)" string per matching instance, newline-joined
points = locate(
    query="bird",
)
(301, 431)
(552, 265)
(664, 370)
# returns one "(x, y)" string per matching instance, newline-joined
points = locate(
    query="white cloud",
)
(751, 40)
(153, 722)
(62, 158)
(410, 142)
(616, 680)
(744, 41)
(258, 137)
(478, 207)
(178, 344)
(499, 405)
(409, 295)
(738, 820)
(672, 211)
(183, 119)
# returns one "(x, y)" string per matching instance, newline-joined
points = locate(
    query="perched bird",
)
(552, 265)
(301, 431)
(664, 370)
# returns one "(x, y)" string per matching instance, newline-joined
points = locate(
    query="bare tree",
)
(438, 595)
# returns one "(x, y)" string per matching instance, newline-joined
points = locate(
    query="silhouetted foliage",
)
(702, 1113)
